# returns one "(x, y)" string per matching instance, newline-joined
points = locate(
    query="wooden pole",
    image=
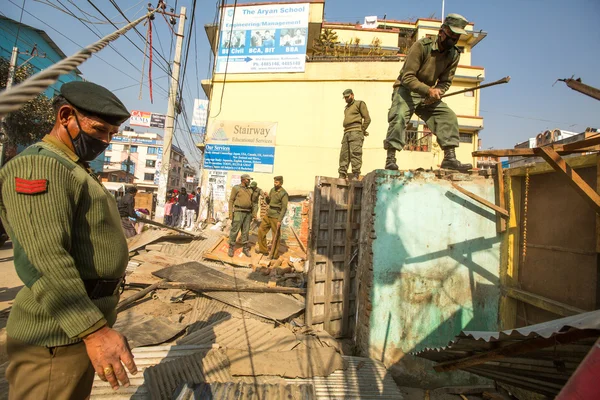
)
(221, 288)
(142, 293)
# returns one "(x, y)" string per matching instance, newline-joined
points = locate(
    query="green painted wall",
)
(436, 260)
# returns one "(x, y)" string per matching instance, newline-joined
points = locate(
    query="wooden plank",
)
(582, 144)
(598, 236)
(583, 161)
(500, 198)
(347, 256)
(313, 258)
(542, 302)
(481, 200)
(574, 179)
(329, 267)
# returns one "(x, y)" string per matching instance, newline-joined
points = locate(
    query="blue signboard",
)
(263, 38)
(239, 158)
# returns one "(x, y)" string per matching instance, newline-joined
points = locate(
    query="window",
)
(149, 177)
(466, 138)
(113, 178)
(131, 166)
(152, 150)
(151, 163)
(106, 160)
(134, 149)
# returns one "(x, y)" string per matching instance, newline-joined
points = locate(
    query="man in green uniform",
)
(277, 201)
(70, 252)
(256, 193)
(426, 75)
(240, 214)
(356, 122)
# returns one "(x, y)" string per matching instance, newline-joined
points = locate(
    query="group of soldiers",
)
(243, 206)
(427, 74)
(69, 247)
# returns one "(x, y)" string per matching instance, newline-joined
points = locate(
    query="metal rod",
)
(142, 293)
(506, 79)
(150, 222)
(222, 288)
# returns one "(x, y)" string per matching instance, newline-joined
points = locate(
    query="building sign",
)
(217, 180)
(199, 117)
(265, 38)
(239, 158)
(147, 119)
(243, 133)
(241, 146)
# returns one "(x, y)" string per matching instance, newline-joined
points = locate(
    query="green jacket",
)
(256, 192)
(277, 200)
(240, 198)
(426, 67)
(65, 228)
(356, 116)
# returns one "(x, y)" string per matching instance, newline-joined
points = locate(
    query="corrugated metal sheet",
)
(195, 248)
(208, 311)
(589, 320)
(207, 366)
(144, 238)
(542, 371)
(364, 378)
(237, 333)
(3, 382)
(245, 391)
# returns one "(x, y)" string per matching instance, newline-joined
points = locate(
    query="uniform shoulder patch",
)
(28, 186)
(427, 41)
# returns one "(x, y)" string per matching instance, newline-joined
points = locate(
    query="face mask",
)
(86, 146)
(449, 42)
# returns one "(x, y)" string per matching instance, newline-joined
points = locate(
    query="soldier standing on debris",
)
(70, 252)
(256, 193)
(356, 122)
(240, 214)
(277, 201)
(126, 211)
(426, 75)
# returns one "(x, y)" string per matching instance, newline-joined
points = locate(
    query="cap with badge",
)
(95, 100)
(456, 23)
(348, 92)
(254, 184)
(278, 178)
(246, 176)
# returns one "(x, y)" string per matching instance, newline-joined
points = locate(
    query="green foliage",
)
(34, 119)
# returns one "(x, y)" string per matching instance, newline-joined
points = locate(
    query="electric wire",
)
(80, 46)
(13, 98)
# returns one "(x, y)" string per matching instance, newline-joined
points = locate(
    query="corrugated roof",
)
(588, 320)
(245, 391)
(364, 378)
(237, 333)
(544, 370)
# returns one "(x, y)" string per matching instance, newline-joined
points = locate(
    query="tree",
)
(34, 119)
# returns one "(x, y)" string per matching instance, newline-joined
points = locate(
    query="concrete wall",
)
(429, 268)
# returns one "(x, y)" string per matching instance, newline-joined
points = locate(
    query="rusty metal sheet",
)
(269, 305)
(207, 311)
(144, 330)
(160, 258)
(243, 334)
(542, 371)
(245, 391)
(145, 238)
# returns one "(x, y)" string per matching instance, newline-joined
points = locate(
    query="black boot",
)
(390, 161)
(230, 251)
(246, 251)
(354, 176)
(450, 161)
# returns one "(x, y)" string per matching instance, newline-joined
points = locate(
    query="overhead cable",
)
(13, 98)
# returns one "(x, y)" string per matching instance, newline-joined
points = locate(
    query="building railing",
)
(418, 141)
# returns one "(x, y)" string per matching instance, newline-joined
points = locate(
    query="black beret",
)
(278, 178)
(95, 100)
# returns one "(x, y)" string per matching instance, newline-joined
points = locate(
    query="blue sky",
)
(533, 41)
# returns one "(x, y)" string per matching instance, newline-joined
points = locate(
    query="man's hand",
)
(106, 349)
(278, 225)
(435, 94)
(365, 133)
(231, 217)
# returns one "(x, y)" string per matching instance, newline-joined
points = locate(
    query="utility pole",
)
(443, 6)
(165, 168)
